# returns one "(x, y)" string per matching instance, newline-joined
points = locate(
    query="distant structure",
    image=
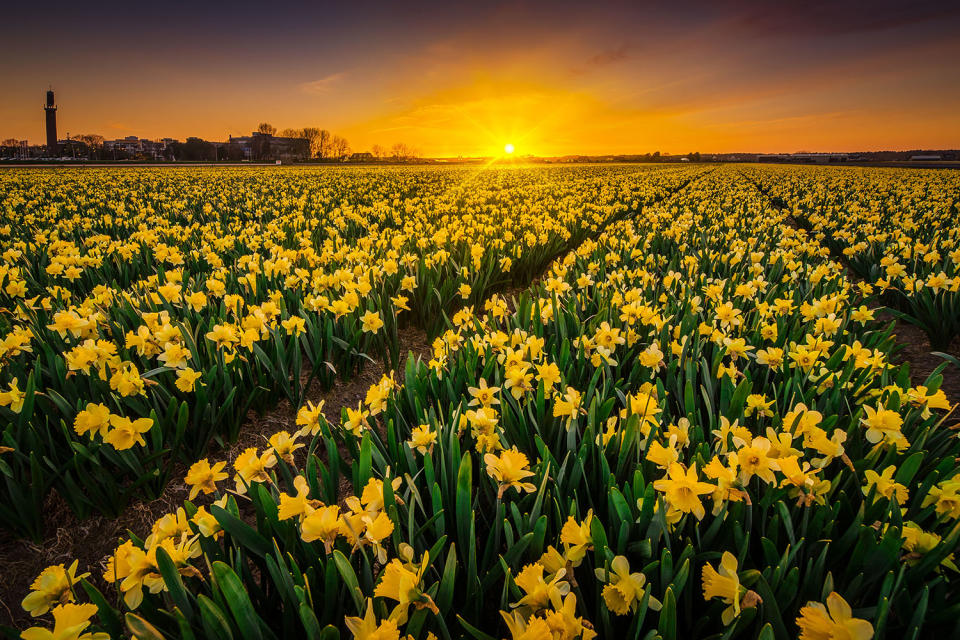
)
(134, 147)
(805, 158)
(53, 149)
(264, 146)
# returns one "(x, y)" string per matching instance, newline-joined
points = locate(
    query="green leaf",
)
(215, 623)
(241, 532)
(908, 468)
(109, 617)
(464, 501)
(238, 600)
(310, 623)
(330, 632)
(171, 578)
(448, 581)
(668, 616)
(350, 580)
(766, 633)
(473, 631)
(141, 629)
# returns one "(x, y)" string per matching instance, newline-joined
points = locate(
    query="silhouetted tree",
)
(195, 149)
(92, 140)
(267, 128)
(312, 134)
(323, 144)
(378, 152)
(339, 147)
(398, 151)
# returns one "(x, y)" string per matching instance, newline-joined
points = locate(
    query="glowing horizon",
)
(552, 79)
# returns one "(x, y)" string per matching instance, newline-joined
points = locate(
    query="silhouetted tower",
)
(51, 111)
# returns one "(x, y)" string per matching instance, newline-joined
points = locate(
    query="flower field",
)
(660, 401)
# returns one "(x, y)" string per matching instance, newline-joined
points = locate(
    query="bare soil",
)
(915, 350)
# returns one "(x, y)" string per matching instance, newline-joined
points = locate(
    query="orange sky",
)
(552, 78)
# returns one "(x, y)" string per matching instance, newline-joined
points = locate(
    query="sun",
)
(508, 148)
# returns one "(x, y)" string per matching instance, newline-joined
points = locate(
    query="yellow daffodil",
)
(94, 419)
(623, 590)
(371, 322)
(725, 584)
(69, 622)
(187, 379)
(367, 627)
(483, 395)
(836, 620)
(885, 485)
(54, 586)
(884, 425)
(682, 489)
(252, 467)
(284, 445)
(202, 477)
(422, 439)
(124, 432)
(509, 469)
(401, 582)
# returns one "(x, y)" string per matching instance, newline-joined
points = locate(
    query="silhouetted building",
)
(264, 147)
(53, 149)
(19, 150)
(804, 158)
(71, 148)
(134, 148)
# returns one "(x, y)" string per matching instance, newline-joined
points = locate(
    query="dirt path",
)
(916, 351)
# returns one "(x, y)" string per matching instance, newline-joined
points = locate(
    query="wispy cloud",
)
(608, 56)
(323, 85)
(601, 59)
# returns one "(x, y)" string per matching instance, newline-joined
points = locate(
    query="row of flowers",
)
(896, 229)
(690, 426)
(150, 311)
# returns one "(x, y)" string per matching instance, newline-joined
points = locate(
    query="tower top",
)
(50, 115)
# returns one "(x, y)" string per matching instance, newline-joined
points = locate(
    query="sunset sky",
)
(453, 78)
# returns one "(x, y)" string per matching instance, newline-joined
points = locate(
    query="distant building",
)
(19, 150)
(238, 148)
(807, 158)
(264, 147)
(50, 110)
(70, 148)
(364, 156)
(926, 158)
(130, 144)
(133, 147)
